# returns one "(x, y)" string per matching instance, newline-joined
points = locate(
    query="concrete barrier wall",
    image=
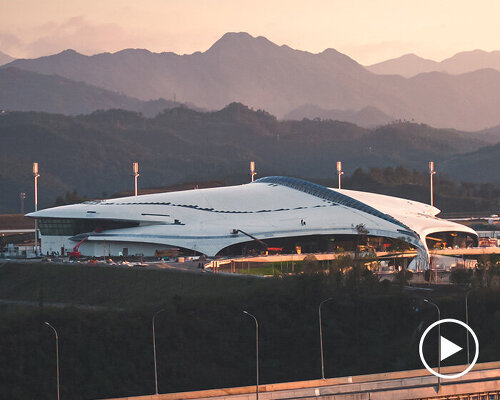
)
(483, 377)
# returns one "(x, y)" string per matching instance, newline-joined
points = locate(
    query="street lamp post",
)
(57, 356)
(439, 341)
(36, 175)
(22, 197)
(256, 354)
(339, 172)
(431, 174)
(252, 170)
(154, 349)
(467, 323)
(135, 169)
(321, 338)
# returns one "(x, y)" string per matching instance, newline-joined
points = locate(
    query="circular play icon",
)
(447, 348)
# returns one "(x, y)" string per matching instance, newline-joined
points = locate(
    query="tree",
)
(311, 265)
(70, 198)
(461, 276)
(362, 233)
(403, 277)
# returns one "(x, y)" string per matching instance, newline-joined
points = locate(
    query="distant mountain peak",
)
(464, 62)
(234, 40)
(131, 51)
(236, 36)
(232, 37)
(331, 51)
(410, 55)
(345, 60)
(415, 57)
(5, 58)
(478, 51)
(69, 52)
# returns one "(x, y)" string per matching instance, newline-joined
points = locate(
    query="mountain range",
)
(283, 81)
(29, 91)
(5, 58)
(368, 117)
(94, 153)
(410, 65)
(476, 165)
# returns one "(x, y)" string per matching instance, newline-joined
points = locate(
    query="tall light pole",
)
(135, 169)
(252, 170)
(256, 353)
(439, 341)
(154, 349)
(22, 197)
(339, 171)
(36, 175)
(431, 174)
(57, 356)
(467, 323)
(321, 338)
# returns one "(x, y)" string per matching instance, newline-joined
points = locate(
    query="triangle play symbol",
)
(448, 348)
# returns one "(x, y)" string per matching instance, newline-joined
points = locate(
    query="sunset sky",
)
(367, 30)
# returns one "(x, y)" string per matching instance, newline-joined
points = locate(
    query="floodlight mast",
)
(432, 172)
(252, 170)
(339, 172)
(36, 175)
(135, 169)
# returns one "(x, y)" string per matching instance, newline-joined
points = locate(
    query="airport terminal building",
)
(282, 213)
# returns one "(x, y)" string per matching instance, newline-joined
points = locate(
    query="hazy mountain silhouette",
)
(410, 65)
(476, 166)
(368, 117)
(468, 61)
(5, 58)
(257, 72)
(28, 91)
(407, 65)
(490, 135)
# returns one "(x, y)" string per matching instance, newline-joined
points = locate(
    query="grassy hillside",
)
(113, 286)
(204, 340)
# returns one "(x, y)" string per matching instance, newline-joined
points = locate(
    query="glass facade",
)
(73, 226)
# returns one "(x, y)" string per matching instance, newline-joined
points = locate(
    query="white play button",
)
(448, 348)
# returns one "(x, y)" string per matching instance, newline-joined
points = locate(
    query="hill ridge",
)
(93, 153)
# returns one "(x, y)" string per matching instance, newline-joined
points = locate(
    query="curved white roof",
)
(419, 216)
(272, 207)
